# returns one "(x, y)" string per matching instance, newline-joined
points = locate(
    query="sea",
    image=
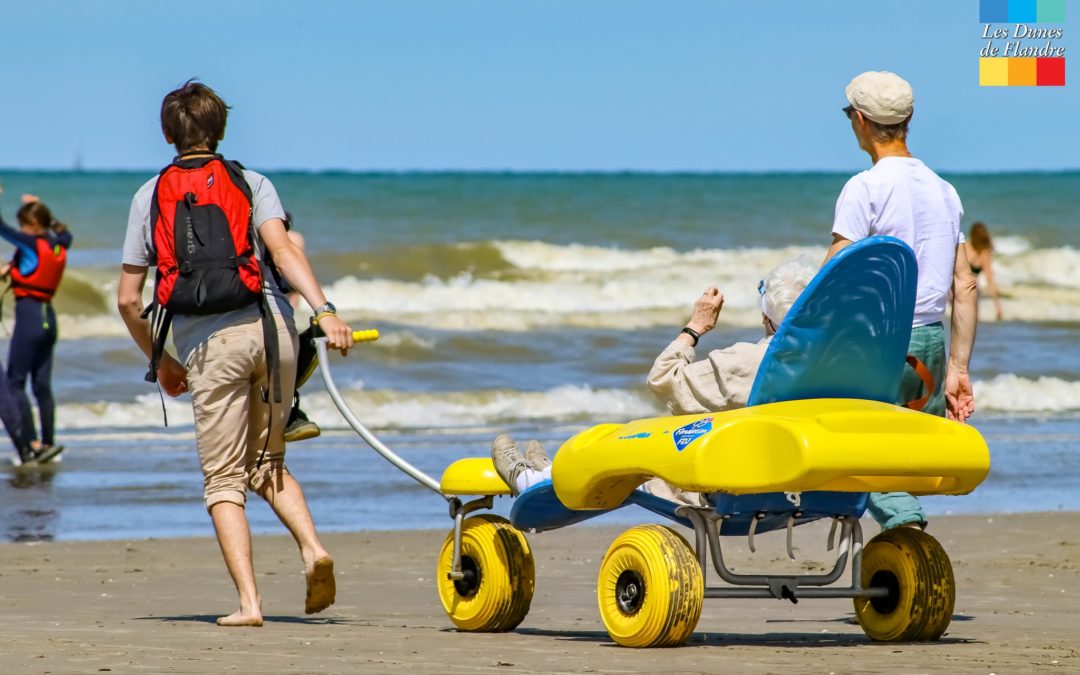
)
(530, 303)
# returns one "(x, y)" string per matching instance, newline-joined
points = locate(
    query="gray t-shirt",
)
(188, 330)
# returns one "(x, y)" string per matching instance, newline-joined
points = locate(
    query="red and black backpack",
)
(200, 217)
(200, 220)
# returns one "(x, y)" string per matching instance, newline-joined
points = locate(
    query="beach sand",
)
(149, 606)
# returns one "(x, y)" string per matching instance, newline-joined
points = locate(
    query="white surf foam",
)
(1011, 245)
(576, 404)
(1048, 267)
(1011, 393)
(396, 409)
(591, 286)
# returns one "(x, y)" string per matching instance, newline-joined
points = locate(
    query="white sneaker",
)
(536, 456)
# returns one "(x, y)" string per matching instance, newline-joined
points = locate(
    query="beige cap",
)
(881, 96)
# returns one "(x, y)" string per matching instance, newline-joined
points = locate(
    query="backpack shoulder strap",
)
(236, 173)
(155, 208)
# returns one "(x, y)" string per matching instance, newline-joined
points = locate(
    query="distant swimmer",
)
(980, 256)
(41, 245)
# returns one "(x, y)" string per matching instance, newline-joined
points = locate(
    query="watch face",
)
(330, 307)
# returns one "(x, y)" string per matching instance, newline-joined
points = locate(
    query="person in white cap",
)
(901, 197)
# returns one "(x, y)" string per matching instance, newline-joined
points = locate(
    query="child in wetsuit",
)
(299, 427)
(41, 245)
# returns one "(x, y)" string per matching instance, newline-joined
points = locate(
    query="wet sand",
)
(148, 606)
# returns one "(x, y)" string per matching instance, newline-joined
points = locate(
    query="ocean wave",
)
(567, 404)
(1012, 393)
(1008, 244)
(1046, 267)
(522, 285)
(387, 409)
(538, 255)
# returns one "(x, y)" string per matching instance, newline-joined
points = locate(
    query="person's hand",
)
(172, 376)
(338, 334)
(706, 310)
(28, 198)
(5, 270)
(959, 396)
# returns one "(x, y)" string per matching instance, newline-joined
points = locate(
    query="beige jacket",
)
(719, 382)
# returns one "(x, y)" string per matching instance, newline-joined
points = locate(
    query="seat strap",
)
(927, 379)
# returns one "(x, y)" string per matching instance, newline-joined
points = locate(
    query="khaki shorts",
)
(227, 377)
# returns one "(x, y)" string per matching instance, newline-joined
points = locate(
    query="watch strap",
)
(692, 333)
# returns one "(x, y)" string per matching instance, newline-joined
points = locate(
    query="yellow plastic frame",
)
(844, 445)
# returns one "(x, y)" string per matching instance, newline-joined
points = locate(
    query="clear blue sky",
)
(517, 84)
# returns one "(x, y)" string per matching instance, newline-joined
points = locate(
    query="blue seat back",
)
(847, 334)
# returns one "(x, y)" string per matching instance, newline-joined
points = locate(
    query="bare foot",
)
(321, 587)
(241, 618)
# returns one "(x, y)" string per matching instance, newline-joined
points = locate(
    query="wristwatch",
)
(322, 311)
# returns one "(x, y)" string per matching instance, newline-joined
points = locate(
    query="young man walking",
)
(200, 223)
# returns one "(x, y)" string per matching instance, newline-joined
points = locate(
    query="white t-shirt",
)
(901, 197)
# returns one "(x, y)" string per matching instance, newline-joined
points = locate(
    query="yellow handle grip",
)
(370, 335)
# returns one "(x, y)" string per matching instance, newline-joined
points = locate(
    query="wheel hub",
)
(885, 579)
(467, 586)
(629, 592)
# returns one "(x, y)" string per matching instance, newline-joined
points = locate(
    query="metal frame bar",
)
(705, 522)
(376, 445)
(707, 525)
(458, 511)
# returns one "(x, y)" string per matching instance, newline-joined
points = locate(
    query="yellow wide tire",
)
(650, 588)
(499, 576)
(922, 590)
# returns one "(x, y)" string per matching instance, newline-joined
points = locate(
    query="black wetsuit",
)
(31, 351)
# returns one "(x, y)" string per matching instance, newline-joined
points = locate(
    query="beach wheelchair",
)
(820, 432)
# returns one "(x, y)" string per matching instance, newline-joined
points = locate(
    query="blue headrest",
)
(847, 334)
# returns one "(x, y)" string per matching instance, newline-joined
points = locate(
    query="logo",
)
(210, 181)
(684, 436)
(1015, 51)
(632, 437)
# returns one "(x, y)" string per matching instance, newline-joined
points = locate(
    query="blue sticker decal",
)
(684, 436)
(643, 434)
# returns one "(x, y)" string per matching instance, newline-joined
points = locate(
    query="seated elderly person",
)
(721, 381)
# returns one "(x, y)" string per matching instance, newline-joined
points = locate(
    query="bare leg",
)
(234, 537)
(286, 498)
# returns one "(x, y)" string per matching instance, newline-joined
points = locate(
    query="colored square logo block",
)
(994, 72)
(993, 11)
(1050, 72)
(1023, 11)
(1023, 72)
(1051, 11)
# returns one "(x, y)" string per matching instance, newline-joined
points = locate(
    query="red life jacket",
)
(200, 217)
(41, 284)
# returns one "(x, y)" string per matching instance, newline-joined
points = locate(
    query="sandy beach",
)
(149, 606)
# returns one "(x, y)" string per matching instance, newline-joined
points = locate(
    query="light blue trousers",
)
(893, 509)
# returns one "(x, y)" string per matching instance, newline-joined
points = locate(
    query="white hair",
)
(783, 284)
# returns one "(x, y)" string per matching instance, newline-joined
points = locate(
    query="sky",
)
(522, 85)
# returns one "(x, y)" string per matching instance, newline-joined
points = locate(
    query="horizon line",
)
(548, 172)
